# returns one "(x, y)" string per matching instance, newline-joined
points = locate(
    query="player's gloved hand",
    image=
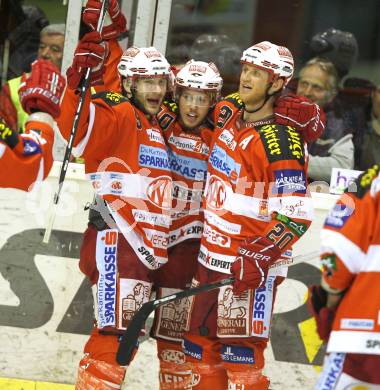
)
(252, 263)
(7, 135)
(43, 89)
(324, 316)
(118, 22)
(92, 53)
(302, 114)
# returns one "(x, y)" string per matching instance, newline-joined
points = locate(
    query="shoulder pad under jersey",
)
(110, 97)
(282, 143)
(364, 181)
(235, 99)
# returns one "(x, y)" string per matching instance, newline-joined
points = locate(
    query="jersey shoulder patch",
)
(235, 99)
(171, 106)
(282, 143)
(364, 181)
(111, 98)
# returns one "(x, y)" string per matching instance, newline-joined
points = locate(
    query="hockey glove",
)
(118, 22)
(7, 135)
(302, 114)
(43, 89)
(92, 53)
(324, 316)
(251, 266)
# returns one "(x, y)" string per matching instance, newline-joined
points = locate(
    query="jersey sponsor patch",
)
(155, 136)
(289, 181)
(189, 144)
(262, 308)
(215, 261)
(192, 349)
(227, 138)
(332, 370)
(188, 167)
(106, 263)
(357, 323)
(222, 162)
(154, 219)
(214, 237)
(191, 230)
(282, 143)
(338, 216)
(111, 98)
(236, 354)
(222, 224)
(152, 157)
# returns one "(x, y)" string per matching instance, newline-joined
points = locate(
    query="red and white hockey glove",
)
(43, 89)
(7, 135)
(324, 316)
(302, 114)
(251, 266)
(92, 53)
(91, 16)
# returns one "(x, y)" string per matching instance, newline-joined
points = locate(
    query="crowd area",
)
(192, 186)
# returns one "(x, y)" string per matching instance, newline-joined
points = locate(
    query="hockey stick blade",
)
(129, 340)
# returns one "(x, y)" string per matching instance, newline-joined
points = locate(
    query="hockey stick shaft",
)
(69, 147)
(129, 339)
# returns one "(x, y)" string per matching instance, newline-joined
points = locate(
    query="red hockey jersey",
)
(256, 185)
(127, 163)
(350, 244)
(188, 155)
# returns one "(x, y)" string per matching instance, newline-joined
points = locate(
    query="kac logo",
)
(159, 192)
(216, 193)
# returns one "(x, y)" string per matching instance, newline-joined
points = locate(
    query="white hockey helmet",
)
(200, 75)
(277, 60)
(143, 62)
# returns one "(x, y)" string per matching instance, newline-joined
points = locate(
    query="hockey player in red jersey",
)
(127, 163)
(256, 203)
(346, 305)
(187, 135)
(29, 156)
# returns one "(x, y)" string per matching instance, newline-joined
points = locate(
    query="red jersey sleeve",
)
(31, 160)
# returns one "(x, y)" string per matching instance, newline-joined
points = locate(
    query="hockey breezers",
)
(82, 93)
(129, 339)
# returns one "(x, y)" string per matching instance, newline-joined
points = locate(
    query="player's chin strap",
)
(267, 97)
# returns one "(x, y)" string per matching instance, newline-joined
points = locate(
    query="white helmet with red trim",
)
(143, 62)
(277, 60)
(200, 75)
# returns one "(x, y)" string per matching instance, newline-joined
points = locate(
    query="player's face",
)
(314, 84)
(253, 85)
(51, 48)
(150, 93)
(193, 107)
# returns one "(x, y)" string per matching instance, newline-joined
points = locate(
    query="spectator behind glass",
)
(51, 49)
(318, 81)
(370, 146)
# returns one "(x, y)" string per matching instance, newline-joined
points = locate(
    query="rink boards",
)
(46, 304)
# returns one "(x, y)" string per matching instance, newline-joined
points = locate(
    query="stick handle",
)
(69, 147)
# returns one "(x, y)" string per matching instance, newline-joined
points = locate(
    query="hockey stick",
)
(129, 339)
(65, 163)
